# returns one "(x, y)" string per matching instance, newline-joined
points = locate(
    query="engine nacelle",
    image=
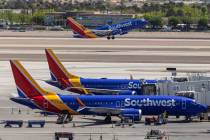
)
(132, 114)
(118, 31)
(122, 33)
(127, 92)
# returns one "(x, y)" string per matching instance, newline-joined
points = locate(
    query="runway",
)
(121, 50)
(143, 57)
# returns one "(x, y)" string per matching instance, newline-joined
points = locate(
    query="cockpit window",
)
(194, 102)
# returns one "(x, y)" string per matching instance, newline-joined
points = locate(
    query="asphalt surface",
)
(86, 127)
(120, 50)
(146, 57)
(143, 35)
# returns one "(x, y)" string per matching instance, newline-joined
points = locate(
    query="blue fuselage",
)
(116, 84)
(125, 27)
(149, 105)
(110, 84)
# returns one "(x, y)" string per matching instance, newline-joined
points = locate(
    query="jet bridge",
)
(193, 86)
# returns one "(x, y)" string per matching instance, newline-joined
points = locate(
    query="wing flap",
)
(98, 91)
(101, 110)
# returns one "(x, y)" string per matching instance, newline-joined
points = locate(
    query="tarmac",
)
(142, 56)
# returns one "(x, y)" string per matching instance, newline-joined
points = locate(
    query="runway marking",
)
(113, 53)
(97, 39)
(97, 46)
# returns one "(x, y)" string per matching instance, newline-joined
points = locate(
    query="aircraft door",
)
(118, 104)
(184, 104)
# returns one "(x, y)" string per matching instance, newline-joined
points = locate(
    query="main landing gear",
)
(188, 118)
(110, 37)
(108, 119)
(64, 118)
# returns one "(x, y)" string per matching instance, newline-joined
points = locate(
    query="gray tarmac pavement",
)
(121, 50)
(112, 59)
(143, 58)
(84, 127)
(151, 35)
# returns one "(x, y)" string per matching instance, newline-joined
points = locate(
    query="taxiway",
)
(144, 56)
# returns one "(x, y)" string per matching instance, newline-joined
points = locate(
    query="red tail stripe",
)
(75, 28)
(55, 68)
(23, 83)
(29, 90)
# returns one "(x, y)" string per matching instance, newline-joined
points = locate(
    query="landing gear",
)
(177, 117)
(110, 37)
(127, 120)
(188, 118)
(64, 118)
(108, 119)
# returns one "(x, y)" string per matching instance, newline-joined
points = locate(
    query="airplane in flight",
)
(64, 80)
(122, 106)
(108, 31)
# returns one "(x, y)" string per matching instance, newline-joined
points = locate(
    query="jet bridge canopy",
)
(197, 88)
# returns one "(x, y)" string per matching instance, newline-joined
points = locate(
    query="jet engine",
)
(122, 33)
(127, 92)
(132, 114)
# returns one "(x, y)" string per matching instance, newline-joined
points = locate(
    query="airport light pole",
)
(121, 6)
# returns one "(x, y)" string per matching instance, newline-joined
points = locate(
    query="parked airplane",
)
(64, 80)
(108, 31)
(123, 106)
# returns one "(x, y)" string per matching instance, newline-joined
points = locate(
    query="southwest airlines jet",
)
(64, 80)
(108, 31)
(123, 106)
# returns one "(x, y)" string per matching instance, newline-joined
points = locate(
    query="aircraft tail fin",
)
(27, 87)
(80, 29)
(57, 69)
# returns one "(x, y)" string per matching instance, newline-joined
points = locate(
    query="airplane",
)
(108, 31)
(122, 106)
(64, 80)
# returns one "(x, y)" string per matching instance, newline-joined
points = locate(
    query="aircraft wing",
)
(95, 90)
(98, 91)
(102, 32)
(91, 90)
(101, 110)
(98, 110)
(119, 31)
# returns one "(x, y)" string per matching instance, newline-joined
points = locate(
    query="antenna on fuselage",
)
(131, 77)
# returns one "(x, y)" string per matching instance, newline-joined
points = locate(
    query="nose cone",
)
(204, 108)
(144, 21)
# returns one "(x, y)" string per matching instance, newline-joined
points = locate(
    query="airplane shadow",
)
(182, 121)
(94, 123)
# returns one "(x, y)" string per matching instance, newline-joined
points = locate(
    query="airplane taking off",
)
(64, 80)
(123, 106)
(108, 31)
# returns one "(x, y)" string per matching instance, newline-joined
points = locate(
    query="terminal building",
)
(88, 19)
(195, 86)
